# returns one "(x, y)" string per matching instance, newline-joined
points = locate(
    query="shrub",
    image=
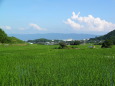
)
(62, 45)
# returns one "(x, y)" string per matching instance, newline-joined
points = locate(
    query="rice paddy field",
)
(43, 65)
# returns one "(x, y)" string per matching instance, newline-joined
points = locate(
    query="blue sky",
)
(57, 16)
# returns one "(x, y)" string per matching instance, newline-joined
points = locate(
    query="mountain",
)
(51, 36)
(110, 36)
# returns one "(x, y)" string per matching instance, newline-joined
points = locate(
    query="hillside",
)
(15, 40)
(110, 35)
(4, 38)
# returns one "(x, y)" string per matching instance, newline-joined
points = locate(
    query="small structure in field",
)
(91, 47)
(31, 43)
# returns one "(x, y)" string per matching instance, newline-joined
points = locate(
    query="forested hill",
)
(110, 36)
(6, 39)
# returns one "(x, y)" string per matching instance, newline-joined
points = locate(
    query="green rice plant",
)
(42, 65)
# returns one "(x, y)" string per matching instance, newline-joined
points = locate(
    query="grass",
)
(42, 65)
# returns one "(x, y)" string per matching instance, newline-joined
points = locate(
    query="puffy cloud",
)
(89, 23)
(36, 27)
(6, 27)
(73, 24)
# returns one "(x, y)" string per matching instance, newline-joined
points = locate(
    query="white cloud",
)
(35, 26)
(74, 15)
(6, 27)
(73, 24)
(89, 23)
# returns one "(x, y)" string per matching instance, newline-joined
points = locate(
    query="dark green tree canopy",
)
(3, 36)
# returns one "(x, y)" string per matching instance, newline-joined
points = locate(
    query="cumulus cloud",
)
(35, 26)
(73, 24)
(89, 23)
(6, 27)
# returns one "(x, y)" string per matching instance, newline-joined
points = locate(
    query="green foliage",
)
(41, 65)
(113, 39)
(39, 40)
(77, 42)
(3, 36)
(62, 45)
(73, 42)
(107, 44)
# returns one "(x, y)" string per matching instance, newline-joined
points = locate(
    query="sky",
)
(57, 16)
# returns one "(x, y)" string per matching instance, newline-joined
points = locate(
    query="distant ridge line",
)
(60, 36)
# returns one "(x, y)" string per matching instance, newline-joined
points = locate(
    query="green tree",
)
(77, 43)
(74, 42)
(107, 44)
(62, 45)
(3, 36)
